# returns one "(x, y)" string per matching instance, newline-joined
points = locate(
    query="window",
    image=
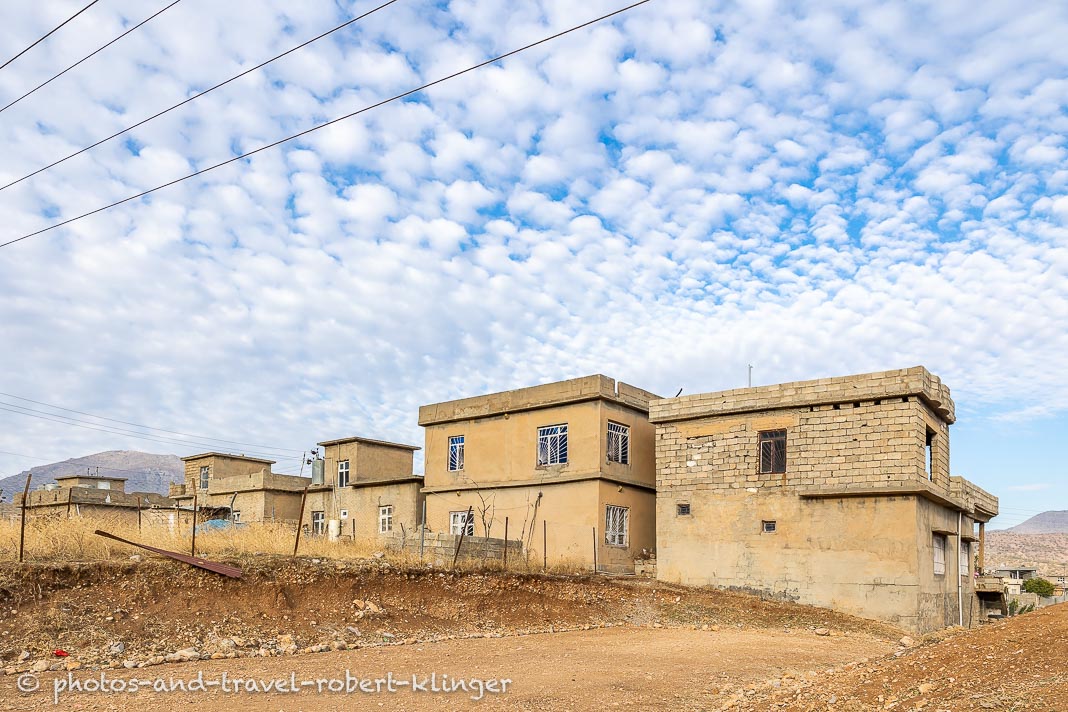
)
(344, 514)
(204, 471)
(552, 445)
(965, 558)
(682, 510)
(456, 453)
(618, 443)
(772, 452)
(767, 526)
(385, 518)
(928, 464)
(616, 520)
(236, 515)
(457, 522)
(343, 473)
(939, 543)
(318, 522)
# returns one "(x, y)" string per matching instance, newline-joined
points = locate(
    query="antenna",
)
(750, 375)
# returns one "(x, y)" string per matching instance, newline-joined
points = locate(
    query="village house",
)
(834, 492)
(244, 487)
(367, 492)
(569, 465)
(85, 495)
(1013, 579)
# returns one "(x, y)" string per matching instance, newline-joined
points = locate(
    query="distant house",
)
(84, 495)
(569, 464)
(834, 492)
(1013, 579)
(245, 487)
(368, 491)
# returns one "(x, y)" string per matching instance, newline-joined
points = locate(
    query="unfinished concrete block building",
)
(834, 492)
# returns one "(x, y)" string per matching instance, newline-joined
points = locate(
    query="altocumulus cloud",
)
(818, 188)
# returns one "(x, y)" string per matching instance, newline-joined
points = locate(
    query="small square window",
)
(235, 516)
(344, 514)
(767, 526)
(682, 509)
(343, 473)
(773, 452)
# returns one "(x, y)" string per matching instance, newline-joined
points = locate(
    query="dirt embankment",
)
(105, 614)
(1018, 664)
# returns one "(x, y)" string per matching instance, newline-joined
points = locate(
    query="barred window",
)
(618, 443)
(205, 471)
(552, 445)
(456, 453)
(939, 543)
(616, 520)
(460, 524)
(773, 452)
(343, 473)
(385, 518)
(318, 523)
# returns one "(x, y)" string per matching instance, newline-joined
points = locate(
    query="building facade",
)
(244, 485)
(834, 492)
(369, 492)
(570, 465)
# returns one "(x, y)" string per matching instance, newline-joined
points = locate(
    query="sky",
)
(813, 188)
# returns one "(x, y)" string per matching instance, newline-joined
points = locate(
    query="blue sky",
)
(815, 188)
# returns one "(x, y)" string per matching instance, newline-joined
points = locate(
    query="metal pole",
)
(750, 375)
(595, 550)
(300, 520)
(22, 522)
(193, 547)
(138, 514)
(463, 530)
(544, 545)
(506, 542)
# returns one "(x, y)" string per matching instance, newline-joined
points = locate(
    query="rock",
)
(24, 656)
(56, 667)
(129, 664)
(284, 641)
(39, 666)
(117, 648)
(925, 688)
(135, 558)
(907, 642)
(822, 631)
(10, 670)
(338, 645)
(217, 656)
(379, 555)
(186, 654)
(353, 631)
(373, 608)
(226, 644)
(73, 665)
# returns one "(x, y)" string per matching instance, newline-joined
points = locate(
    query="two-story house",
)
(245, 485)
(834, 492)
(570, 465)
(368, 492)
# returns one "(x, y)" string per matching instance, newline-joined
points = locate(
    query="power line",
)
(148, 427)
(124, 433)
(328, 123)
(42, 39)
(198, 95)
(100, 49)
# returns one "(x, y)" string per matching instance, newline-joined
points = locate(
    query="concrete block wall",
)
(440, 547)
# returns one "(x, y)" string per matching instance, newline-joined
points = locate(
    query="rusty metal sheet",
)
(213, 566)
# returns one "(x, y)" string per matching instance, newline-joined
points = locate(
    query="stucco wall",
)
(361, 504)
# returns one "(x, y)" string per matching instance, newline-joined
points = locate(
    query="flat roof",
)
(546, 395)
(369, 441)
(90, 477)
(231, 456)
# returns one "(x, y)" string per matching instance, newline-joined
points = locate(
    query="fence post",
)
(300, 519)
(506, 542)
(70, 496)
(22, 518)
(193, 547)
(138, 514)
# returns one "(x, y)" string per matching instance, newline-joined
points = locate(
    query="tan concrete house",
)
(368, 493)
(570, 464)
(246, 485)
(85, 495)
(834, 492)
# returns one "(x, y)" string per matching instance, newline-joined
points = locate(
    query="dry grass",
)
(58, 539)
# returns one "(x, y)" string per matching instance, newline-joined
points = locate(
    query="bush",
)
(1038, 585)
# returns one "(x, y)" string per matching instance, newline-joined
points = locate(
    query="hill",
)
(144, 471)
(1008, 549)
(1046, 523)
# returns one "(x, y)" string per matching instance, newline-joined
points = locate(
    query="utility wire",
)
(149, 427)
(198, 95)
(100, 49)
(124, 433)
(42, 39)
(328, 123)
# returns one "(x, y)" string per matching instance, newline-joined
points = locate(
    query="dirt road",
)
(624, 668)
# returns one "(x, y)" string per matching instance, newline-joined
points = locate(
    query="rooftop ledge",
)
(981, 511)
(916, 381)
